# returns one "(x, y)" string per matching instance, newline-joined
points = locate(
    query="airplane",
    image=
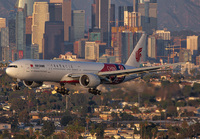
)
(33, 73)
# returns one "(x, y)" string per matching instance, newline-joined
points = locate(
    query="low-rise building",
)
(4, 126)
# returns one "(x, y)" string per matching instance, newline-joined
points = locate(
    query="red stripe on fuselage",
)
(72, 81)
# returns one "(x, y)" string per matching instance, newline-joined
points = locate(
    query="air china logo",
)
(138, 54)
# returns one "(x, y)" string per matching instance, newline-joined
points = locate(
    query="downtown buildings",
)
(116, 36)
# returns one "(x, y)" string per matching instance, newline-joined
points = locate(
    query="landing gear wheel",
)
(17, 87)
(94, 91)
(62, 90)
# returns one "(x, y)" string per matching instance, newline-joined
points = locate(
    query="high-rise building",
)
(20, 32)
(4, 44)
(152, 51)
(66, 15)
(102, 17)
(164, 34)
(148, 10)
(112, 16)
(28, 30)
(11, 26)
(29, 3)
(132, 19)
(66, 18)
(185, 55)
(193, 44)
(34, 51)
(2, 23)
(92, 51)
(163, 41)
(40, 16)
(121, 11)
(78, 23)
(55, 11)
(127, 45)
(135, 5)
(53, 39)
(81, 48)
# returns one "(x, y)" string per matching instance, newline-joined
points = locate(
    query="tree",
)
(48, 128)
(65, 120)
(153, 131)
(172, 111)
(73, 130)
(24, 116)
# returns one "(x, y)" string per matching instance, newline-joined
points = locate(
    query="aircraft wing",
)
(136, 70)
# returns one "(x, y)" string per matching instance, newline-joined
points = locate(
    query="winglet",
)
(138, 52)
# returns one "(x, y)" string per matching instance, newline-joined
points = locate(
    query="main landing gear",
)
(62, 90)
(94, 91)
(17, 87)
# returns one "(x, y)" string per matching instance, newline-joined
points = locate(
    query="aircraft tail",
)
(136, 56)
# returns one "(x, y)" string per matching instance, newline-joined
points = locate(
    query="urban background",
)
(158, 105)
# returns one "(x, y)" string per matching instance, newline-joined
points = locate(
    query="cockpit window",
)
(12, 66)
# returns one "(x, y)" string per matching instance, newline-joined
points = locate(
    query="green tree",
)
(65, 120)
(74, 130)
(24, 116)
(196, 88)
(48, 128)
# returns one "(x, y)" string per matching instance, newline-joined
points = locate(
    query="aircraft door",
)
(28, 67)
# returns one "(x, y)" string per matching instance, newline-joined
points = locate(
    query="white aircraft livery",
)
(33, 73)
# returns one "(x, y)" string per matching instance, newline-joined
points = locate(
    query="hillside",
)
(172, 14)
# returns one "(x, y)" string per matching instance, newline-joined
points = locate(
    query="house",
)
(5, 127)
(187, 109)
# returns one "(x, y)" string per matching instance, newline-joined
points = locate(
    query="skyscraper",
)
(164, 34)
(163, 41)
(2, 23)
(92, 51)
(193, 44)
(127, 45)
(148, 10)
(55, 11)
(121, 11)
(102, 17)
(66, 18)
(135, 5)
(21, 4)
(28, 30)
(152, 47)
(11, 26)
(78, 23)
(40, 16)
(132, 19)
(20, 32)
(53, 39)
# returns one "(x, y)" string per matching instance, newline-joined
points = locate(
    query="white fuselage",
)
(55, 70)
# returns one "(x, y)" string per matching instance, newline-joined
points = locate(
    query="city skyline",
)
(188, 20)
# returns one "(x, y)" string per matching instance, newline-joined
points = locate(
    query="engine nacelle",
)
(32, 84)
(89, 80)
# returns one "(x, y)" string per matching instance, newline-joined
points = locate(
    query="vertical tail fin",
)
(136, 56)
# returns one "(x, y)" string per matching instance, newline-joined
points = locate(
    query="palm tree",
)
(87, 121)
(153, 131)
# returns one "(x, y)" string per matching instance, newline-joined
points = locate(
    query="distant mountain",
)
(179, 15)
(172, 14)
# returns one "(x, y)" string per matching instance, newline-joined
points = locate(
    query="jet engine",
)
(32, 84)
(89, 80)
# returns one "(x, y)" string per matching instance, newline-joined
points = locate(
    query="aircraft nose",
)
(9, 72)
